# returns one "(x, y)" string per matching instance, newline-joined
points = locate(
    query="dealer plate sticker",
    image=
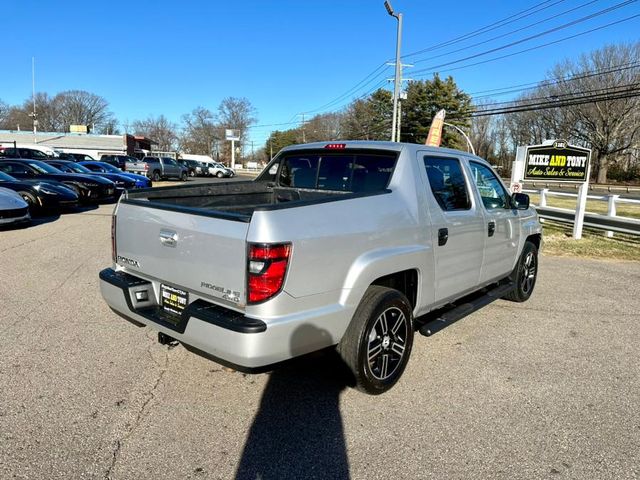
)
(174, 300)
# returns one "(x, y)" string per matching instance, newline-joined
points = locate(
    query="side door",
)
(170, 167)
(457, 226)
(502, 227)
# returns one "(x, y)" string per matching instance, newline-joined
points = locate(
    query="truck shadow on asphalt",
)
(297, 431)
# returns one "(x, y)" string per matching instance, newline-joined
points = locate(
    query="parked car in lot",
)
(75, 157)
(215, 169)
(121, 182)
(118, 161)
(13, 209)
(141, 180)
(89, 188)
(193, 167)
(158, 168)
(23, 152)
(351, 244)
(41, 195)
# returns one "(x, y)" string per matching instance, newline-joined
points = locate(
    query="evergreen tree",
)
(424, 100)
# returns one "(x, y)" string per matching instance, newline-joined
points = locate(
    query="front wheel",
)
(183, 177)
(219, 174)
(524, 274)
(378, 341)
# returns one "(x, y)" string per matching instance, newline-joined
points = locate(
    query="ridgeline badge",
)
(560, 162)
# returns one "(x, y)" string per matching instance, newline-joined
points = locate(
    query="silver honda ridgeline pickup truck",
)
(354, 245)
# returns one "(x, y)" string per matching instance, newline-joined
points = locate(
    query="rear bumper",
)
(221, 334)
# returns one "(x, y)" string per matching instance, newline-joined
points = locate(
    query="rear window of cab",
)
(338, 171)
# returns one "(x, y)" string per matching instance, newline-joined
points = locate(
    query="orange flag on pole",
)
(435, 132)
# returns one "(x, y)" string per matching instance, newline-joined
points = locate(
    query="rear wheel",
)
(219, 174)
(156, 176)
(184, 176)
(525, 274)
(378, 341)
(192, 173)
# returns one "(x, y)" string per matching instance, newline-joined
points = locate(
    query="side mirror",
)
(520, 201)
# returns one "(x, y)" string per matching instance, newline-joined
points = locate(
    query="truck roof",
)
(378, 145)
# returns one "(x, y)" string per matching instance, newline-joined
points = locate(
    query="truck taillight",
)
(113, 238)
(266, 268)
(146, 166)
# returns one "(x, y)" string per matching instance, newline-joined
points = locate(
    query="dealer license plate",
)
(173, 300)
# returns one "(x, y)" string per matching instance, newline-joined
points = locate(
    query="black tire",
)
(525, 274)
(375, 351)
(219, 174)
(184, 176)
(155, 176)
(30, 199)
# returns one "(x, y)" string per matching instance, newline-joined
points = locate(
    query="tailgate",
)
(201, 254)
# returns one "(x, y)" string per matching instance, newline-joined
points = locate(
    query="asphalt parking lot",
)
(545, 389)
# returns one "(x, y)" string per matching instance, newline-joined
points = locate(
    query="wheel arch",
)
(401, 268)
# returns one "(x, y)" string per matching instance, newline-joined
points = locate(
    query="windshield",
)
(77, 168)
(109, 168)
(6, 178)
(42, 167)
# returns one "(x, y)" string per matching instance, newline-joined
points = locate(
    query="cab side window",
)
(447, 183)
(492, 192)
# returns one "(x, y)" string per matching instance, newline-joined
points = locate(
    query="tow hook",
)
(164, 339)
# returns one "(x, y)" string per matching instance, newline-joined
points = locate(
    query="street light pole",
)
(398, 81)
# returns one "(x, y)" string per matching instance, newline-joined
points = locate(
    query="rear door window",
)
(447, 183)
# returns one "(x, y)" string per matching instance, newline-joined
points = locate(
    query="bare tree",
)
(609, 126)
(200, 135)
(323, 127)
(160, 130)
(237, 114)
(483, 134)
(78, 107)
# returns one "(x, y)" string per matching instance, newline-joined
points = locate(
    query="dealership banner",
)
(559, 162)
(435, 132)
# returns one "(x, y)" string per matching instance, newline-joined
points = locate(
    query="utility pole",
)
(304, 138)
(398, 76)
(33, 97)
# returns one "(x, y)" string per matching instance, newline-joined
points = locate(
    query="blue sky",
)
(286, 57)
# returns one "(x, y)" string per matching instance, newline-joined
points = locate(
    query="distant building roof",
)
(67, 140)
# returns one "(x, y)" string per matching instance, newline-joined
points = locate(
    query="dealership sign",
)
(559, 162)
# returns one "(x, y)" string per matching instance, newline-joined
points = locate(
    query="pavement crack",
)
(150, 395)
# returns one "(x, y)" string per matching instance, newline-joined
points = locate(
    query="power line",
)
(379, 69)
(576, 100)
(507, 34)
(515, 88)
(486, 28)
(533, 99)
(531, 37)
(586, 32)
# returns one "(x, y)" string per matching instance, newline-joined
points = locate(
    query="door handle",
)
(492, 228)
(443, 236)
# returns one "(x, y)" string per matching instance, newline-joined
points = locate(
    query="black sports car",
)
(40, 195)
(89, 188)
(122, 182)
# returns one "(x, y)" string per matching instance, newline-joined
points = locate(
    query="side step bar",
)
(446, 317)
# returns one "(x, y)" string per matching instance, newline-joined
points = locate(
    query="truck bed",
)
(234, 200)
